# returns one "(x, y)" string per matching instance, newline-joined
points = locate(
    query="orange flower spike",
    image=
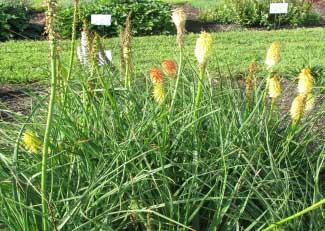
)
(156, 75)
(169, 67)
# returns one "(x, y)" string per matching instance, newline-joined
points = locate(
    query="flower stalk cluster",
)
(249, 82)
(126, 38)
(273, 82)
(272, 59)
(203, 51)
(179, 18)
(91, 52)
(305, 99)
(157, 78)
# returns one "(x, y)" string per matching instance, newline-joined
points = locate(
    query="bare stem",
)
(271, 110)
(73, 38)
(127, 72)
(199, 92)
(177, 78)
(53, 57)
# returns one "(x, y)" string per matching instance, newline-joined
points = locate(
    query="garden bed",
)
(185, 133)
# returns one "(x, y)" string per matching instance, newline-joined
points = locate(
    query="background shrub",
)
(149, 17)
(14, 20)
(255, 13)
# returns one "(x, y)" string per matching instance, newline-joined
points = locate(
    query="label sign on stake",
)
(82, 51)
(279, 8)
(101, 19)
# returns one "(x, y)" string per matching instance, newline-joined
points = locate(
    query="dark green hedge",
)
(148, 17)
(14, 21)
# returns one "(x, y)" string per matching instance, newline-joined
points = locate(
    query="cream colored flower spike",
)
(203, 48)
(274, 87)
(273, 55)
(305, 82)
(297, 107)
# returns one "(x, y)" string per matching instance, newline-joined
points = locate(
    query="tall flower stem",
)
(271, 110)
(53, 57)
(312, 207)
(127, 73)
(264, 96)
(266, 88)
(195, 133)
(195, 117)
(47, 133)
(126, 51)
(199, 92)
(73, 47)
(73, 38)
(177, 78)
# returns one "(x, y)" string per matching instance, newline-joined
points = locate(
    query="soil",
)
(38, 18)
(319, 7)
(17, 98)
(289, 92)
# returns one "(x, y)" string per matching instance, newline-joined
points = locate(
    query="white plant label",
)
(279, 8)
(101, 19)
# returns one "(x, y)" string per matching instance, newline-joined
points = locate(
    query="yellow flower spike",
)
(274, 87)
(305, 82)
(159, 93)
(273, 55)
(31, 142)
(203, 48)
(297, 107)
(310, 102)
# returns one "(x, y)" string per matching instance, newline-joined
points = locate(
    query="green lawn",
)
(233, 51)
